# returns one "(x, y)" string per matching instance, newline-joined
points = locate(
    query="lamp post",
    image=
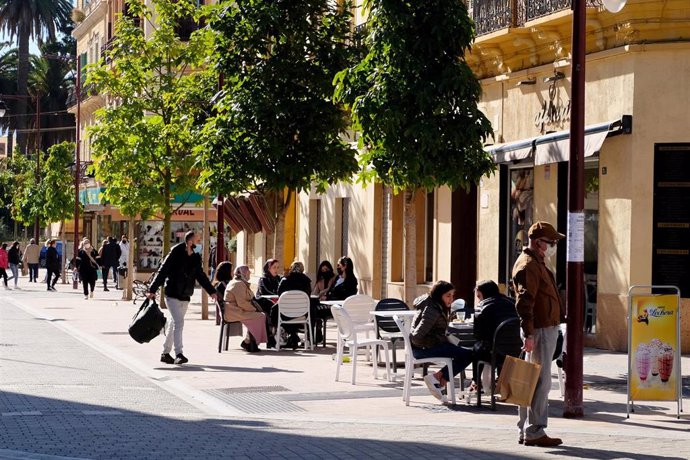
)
(3, 110)
(576, 215)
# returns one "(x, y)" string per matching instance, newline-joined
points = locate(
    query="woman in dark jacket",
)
(346, 283)
(52, 265)
(14, 257)
(325, 277)
(428, 337)
(269, 281)
(88, 267)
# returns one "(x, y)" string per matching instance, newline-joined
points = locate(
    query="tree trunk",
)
(204, 260)
(167, 218)
(64, 252)
(22, 87)
(410, 246)
(282, 205)
(129, 281)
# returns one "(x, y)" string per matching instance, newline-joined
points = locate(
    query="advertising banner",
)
(654, 351)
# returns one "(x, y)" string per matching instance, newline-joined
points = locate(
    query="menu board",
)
(654, 360)
(671, 237)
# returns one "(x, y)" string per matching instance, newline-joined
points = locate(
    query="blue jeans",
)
(14, 268)
(462, 357)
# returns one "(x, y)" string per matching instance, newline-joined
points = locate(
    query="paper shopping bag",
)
(517, 381)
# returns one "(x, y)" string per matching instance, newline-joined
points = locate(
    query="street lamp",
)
(3, 111)
(576, 214)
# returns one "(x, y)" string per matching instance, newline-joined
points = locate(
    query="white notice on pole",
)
(576, 237)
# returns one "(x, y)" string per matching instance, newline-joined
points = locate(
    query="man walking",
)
(31, 255)
(540, 309)
(109, 260)
(179, 270)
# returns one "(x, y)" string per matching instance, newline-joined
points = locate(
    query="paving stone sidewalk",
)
(73, 384)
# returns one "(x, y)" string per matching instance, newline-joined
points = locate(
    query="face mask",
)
(340, 271)
(87, 246)
(550, 250)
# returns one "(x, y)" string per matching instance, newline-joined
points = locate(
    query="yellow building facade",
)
(637, 108)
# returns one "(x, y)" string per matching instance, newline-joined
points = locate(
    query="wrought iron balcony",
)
(492, 15)
(537, 8)
(86, 92)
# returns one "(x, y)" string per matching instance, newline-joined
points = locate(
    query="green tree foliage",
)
(414, 99)
(142, 141)
(27, 19)
(57, 183)
(19, 189)
(276, 126)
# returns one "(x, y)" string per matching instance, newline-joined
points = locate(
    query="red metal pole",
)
(77, 166)
(37, 222)
(576, 221)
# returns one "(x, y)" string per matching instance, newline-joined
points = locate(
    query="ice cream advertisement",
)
(654, 340)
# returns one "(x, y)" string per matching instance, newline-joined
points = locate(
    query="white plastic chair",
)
(347, 336)
(295, 305)
(359, 307)
(410, 362)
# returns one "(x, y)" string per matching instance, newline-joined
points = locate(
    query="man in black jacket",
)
(495, 308)
(110, 259)
(180, 269)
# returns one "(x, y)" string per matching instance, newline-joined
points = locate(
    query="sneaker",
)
(181, 359)
(167, 359)
(86, 297)
(544, 441)
(91, 294)
(106, 289)
(434, 387)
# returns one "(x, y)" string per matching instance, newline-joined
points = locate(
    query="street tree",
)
(142, 140)
(19, 188)
(276, 128)
(414, 99)
(24, 20)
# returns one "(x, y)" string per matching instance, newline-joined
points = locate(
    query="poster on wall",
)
(654, 348)
(671, 217)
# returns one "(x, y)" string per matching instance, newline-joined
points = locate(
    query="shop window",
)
(250, 251)
(397, 237)
(342, 209)
(520, 213)
(591, 242)
(315, 233)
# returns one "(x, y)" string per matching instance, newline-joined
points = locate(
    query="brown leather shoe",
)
(544, 441)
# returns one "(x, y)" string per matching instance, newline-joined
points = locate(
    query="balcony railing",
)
(538, 8)
(492, 15)
(86, 92)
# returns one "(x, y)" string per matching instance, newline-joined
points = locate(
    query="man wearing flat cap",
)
(541, 311)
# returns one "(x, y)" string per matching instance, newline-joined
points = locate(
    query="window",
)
(429, 238)
(250, 251)
(186, 26)
(315, 232)
(397, 237)
(342, 209)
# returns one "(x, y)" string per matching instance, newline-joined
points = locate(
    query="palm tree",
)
(8, 85)
(27, 19)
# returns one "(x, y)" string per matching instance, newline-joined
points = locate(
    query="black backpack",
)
(147, 323)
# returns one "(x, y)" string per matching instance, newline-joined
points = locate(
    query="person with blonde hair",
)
(239, 307)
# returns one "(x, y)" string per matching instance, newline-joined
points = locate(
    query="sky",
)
(34, 47)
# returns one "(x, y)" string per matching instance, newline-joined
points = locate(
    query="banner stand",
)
(654, 372)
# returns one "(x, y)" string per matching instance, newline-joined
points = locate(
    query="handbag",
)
(147, 322)
(517, 381)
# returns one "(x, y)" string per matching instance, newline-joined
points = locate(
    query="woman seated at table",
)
(346, 283)
(428, 337)
(325, 277)
(268, 285)
(239, 307)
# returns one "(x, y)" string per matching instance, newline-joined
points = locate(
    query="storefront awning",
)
(555, 147)
(248, 213)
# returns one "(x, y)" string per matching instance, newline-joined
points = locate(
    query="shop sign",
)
(553, 112)
(654, 348)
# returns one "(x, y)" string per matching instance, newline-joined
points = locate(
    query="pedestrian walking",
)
(87, 266)
(14, 257)
(4, 264)
(52, 265)
(180, 269)
(540, 309)
(124, 251)
(109, 257)
(31, 257)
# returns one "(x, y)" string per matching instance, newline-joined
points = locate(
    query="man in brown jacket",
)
(32, 253)
(539, 307)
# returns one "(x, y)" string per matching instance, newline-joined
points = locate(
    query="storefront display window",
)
(521, 212)
(150, 241)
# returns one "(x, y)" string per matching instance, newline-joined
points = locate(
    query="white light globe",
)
(614, 6)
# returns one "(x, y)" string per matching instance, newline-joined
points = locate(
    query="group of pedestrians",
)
(13, 259)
